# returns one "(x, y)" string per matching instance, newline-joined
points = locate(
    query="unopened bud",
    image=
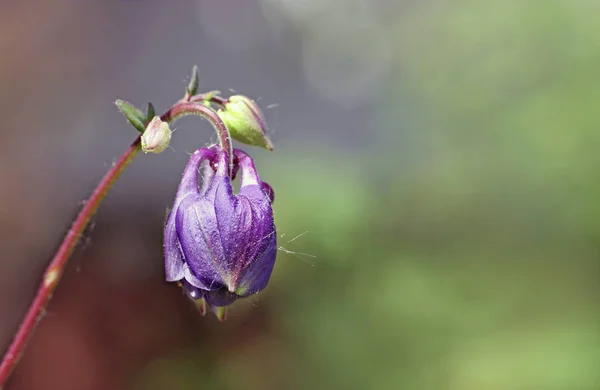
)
(156, 137)
(245, 121)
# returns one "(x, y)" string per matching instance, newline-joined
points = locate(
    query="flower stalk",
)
(57, 265)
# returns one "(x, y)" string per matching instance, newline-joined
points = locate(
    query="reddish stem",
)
(58, 263)
(184, 108)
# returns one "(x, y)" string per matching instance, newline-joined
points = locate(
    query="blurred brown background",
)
(439, 160)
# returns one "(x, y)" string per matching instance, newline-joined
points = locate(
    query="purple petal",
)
(174, 258)
(219, 298)
(208, 174)
(256, 277)
(192, 292)
(200, 242)
(249, 174)
(189, 181)
(174, 261)
(235, 224)
(268, 190)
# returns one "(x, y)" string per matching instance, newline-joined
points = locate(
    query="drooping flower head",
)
(219, 245)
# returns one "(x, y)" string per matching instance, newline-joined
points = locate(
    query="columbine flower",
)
(219, 245)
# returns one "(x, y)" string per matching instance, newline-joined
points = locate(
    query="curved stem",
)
(57, 265)
(195, 108)
(211, 97)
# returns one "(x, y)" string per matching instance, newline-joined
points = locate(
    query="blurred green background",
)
(438, 212)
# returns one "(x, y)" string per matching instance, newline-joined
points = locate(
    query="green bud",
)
(133, 114)
(245, 121)
(156, 137)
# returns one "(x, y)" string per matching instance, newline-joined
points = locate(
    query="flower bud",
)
(245, 121)
(156, 137)
(220, 246)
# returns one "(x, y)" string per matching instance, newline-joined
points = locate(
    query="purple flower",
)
(220, 246)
